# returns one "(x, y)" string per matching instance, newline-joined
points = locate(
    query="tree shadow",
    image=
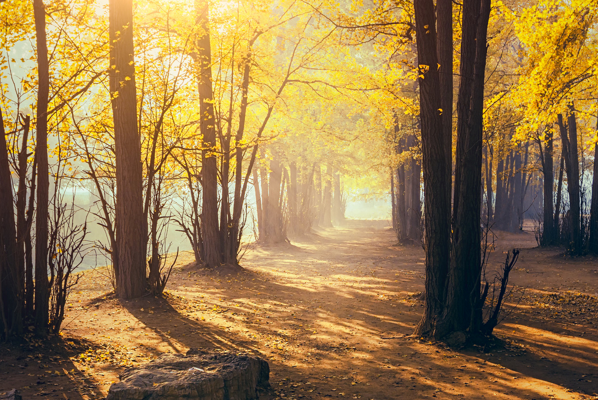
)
(45, 368)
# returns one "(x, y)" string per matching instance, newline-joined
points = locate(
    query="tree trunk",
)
(265, 205)
(464, 310)
(572, 166)
(593, 242)
(209, 167)
(293, 209)
(337, 203)
(10, 287)
(23, 228)
(573, 185)
(131, 226)
(489, 192)
(326, 212)
(444, 11)
(415, 203)
(401, 202)
(500, 191)
(548, 184)
(258, 201)
(557, 208)
(470, 14)
(275, 222)
(437, 206)
(393, 199)
(41, 218)
(517, 194)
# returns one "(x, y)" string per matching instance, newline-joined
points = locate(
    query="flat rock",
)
(197, 375)
(11, 395)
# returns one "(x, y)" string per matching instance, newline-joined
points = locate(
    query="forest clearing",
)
(332, 314)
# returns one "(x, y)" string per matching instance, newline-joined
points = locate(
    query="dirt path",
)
(331, 314)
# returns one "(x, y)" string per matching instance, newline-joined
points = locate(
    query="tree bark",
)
(293, 196)
(572, 166)
(131, 226)
(337, 212)
(444, 12)
(437, 206)
(401, 201)
(464, 310)
(557, 208)
(41, 218)
(209, 169)
(10, 288)
(415, 211)
(593, 241)
(393, 199)
(548, 236)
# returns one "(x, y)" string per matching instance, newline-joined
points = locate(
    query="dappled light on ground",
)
(333, 314)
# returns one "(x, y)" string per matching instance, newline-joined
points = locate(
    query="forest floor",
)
(332, 314)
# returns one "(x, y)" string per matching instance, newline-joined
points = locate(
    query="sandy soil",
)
(332, 314)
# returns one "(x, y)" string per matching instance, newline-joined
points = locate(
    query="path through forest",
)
(332, 314)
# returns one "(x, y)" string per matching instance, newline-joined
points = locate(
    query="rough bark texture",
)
(198, 375)
(209, 172)
(131, 227)
(444, 11)
(415, 203)
(437, 206)
(593, 242)
(559, 197)
(41, 218)
(569, 140)
(463, 306)
(548, 236)
(10, 293)
(573, 185)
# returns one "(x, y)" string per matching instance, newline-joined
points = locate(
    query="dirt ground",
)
(332, 314)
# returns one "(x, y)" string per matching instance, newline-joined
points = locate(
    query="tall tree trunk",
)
(559, 196)
(444, 12)
(401, 203)
(572, 166)
(239, 152)
(293, 209)
(415, 212)
(29, 284)
(463, 308)
(517, 193)
(337, 213)
(470, 14)
(131, 226)
(573, 185)
(437, 206)
(10, 287)
(500, 191)
(548, 172)
(393, 199)
(209, 167)
(258, 201)
(23, 228)
(41, 218)
(275, 228)
(265, 206)
(593, 241)
(489, 193)
(326, 213)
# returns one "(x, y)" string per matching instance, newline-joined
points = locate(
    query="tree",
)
(131, 227)
(41, 217)
(436, 204)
